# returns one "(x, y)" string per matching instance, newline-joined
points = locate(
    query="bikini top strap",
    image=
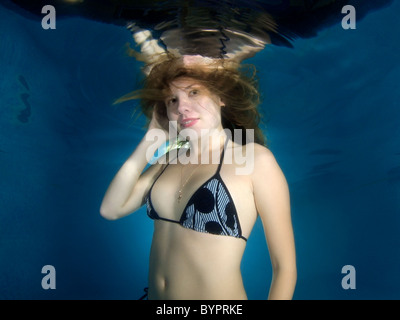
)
(221, 160)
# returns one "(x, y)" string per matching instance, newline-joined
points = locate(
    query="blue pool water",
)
(332, 115)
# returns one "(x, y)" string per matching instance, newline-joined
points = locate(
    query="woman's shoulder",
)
(266, 167)
(253, 158)
(262, 152)
(256, 151)
(263, 157)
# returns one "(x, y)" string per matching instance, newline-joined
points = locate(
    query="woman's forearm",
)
(123, 183)
(283, 284)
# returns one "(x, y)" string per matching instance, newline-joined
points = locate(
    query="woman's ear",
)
(221, 102)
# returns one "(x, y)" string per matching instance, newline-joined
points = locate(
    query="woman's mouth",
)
(186, 123)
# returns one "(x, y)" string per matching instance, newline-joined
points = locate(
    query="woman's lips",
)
(186, 123)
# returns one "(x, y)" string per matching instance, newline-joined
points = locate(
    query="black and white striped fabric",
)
(209, 210)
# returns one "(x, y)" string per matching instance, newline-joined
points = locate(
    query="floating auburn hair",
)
(236, 85)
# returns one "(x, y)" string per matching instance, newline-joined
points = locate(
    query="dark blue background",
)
(332, 113)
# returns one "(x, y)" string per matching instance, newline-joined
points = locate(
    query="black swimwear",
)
(210, 209)
(146, 294)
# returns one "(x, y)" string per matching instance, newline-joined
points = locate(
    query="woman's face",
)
(193, 106)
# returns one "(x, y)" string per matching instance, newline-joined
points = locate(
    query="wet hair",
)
(236, 85)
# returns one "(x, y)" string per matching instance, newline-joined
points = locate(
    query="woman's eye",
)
(171, 101)
(194, 92)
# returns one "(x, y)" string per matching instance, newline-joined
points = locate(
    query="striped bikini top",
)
(209, 210)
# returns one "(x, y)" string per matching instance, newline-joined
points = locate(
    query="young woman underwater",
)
(204, 211)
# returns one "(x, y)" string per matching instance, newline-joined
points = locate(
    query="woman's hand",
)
(161, 123)
(131, 184)
(157, 123)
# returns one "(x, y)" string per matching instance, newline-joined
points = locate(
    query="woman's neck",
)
(207, 148)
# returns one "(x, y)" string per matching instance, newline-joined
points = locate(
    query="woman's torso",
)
(189, 264)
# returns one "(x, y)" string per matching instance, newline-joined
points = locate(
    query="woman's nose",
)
(183, 105)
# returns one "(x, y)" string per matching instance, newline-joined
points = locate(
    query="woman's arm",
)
(272, 199)
(129, 187)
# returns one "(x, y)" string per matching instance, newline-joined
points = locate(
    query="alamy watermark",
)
(349, 20)
(49, 20)
(49, 280)
(349, 280)
(242, 157)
